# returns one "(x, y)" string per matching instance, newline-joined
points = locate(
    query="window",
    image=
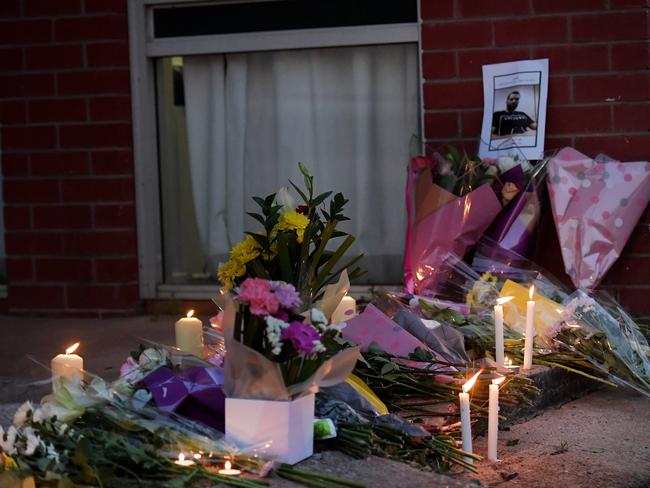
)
(236, 110)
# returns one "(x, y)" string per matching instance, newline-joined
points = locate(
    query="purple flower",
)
(286, 294)
(302, 336)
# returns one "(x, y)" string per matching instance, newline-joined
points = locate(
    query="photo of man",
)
(510, 121)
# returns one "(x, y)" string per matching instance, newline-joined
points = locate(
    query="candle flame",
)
(559, 311)
(72, 348)
(501, 301)
(498, 381)
(181, 457)
(190, 313)
(531, 292)
(468, 385)
(228, 465)
(197, 456)
(508, 361)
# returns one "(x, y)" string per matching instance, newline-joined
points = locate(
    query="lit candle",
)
(493, 418)
(509, 365)
(346, 309)
(228, 470)
(67, 365)
(530, 331)
(498, 330)
(189, 335)
(181, 461)
(465, 418)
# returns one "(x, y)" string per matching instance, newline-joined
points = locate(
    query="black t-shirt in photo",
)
(505, 123)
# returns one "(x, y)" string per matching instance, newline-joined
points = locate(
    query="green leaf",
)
(285, 259)
(303, 169)
(300, 192)
(321, 198)
(356, 273)
(257, 217)
(258, 269)
(259, 201)
(349, 264)
(327, 268)
(387, 368)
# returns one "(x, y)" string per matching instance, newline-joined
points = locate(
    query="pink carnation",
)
(257, 293)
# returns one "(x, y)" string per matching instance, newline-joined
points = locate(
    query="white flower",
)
(8, 440)
(284, 198)
(20, 417)
(274, 327)
(318, 347)
(318, 317)
(33, 441)
(152, 357)
(51, 453)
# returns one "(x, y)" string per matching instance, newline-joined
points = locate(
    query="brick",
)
(95, 135)
(36, 137)
(620, 4)
(559, 90)
(106, 6)
(610, 27)
(31, 191)
(557, 142)
(471, 122)
(112, 162)
(9, 8)
(549, 6)
(12, 112)
(629, 270)
(639, 241)
(537, 30)
(116, 270)
(633, 117)
(470, 61)
(19, 269)
(113, 54)
(103, 296)
(62, 217)
(120, 216)
(576, 119)
(437, 65)
(491, 8)
(621, 87)
(11, 59)
(438, 125)
(59, 163)
(636, 300)
(33, 243)
(623, 147)
(110, 108)
(456, 35)
(57, 110)
(27, 85)
(48, 8)
(461, 94)
(101, 243)
(94, 82)
(15, 32)
(436, 9)
(91, 28)
(16, 218)
(54, 57)
(15, 165)
(35, 296)
(630, 56)
(574, 58)
(63, 269)
(98, 190)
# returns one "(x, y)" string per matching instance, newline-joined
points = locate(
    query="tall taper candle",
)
(493, 418)
(530, 331)
(498, 330)
(465, 418)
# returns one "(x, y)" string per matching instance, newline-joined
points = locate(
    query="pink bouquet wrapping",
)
(596, 205)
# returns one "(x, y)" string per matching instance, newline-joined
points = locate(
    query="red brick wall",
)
(599, 90)
(67, 160)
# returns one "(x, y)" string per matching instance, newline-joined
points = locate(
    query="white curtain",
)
(347, 113)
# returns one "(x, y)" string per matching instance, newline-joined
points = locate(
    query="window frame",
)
(144, 49)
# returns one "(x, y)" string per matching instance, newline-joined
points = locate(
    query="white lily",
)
(284, 198)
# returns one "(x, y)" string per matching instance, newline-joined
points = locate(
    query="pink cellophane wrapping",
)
(596, 207)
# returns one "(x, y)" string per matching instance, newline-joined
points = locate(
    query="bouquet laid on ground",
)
(596, 204)
(453, 200)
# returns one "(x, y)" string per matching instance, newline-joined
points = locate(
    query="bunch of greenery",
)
(294, 243)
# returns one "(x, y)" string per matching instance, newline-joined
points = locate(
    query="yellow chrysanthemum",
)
(246, 250)
(293, 221)
(230, 270)
(9, 462)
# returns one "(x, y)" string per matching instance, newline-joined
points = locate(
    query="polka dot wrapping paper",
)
(596, 204)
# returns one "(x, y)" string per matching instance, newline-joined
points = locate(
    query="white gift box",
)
(286, 427)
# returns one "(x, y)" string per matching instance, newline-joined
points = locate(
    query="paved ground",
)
(598, 441)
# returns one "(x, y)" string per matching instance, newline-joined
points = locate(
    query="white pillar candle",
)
(345, 310)
(465, 418)
(530, 331)
(67, 365)
(498, 330)
(493, 418)
(189, 335)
